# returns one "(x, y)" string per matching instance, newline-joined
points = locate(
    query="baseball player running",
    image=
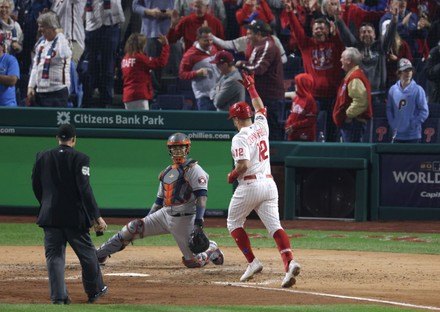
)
(256, 188)
(178, 209)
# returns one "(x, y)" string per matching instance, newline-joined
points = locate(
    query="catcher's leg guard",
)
(133, 230)
(198, 261)
(215, 255)
(114, 244)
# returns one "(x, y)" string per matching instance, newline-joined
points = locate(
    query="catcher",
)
(178, 209)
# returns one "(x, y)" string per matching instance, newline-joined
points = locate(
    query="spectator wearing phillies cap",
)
(9, 75)
(407, 108)
(228, 89)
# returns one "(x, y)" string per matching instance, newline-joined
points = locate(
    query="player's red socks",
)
(283, 244)
(243, 242)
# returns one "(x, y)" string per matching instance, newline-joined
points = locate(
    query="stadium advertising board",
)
(410, 180)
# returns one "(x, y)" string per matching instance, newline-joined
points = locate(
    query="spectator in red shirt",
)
(321, 58)
(188, 25)
(136, 67)
(196, 66)
(253, 10)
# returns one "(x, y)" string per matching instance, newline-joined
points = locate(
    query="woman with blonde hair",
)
(10, 29)
(136, 66)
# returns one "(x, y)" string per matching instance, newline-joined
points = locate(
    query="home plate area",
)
(155, 275)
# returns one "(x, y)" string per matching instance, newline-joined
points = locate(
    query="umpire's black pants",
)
(55, 240)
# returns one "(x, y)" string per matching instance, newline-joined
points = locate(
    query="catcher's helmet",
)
(241, 110)
(179, 145)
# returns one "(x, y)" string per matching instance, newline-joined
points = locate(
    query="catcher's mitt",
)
(198, 242)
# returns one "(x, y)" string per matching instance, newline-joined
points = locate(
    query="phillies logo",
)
(402, 104)
(381, 131)
(429, 132)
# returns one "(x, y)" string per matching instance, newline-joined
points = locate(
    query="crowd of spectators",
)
(73, 53)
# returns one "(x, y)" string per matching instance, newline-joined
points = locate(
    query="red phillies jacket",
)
(343, 101)
(136, 74)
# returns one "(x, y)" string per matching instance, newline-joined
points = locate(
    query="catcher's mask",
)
(179, 146)
(241, 110)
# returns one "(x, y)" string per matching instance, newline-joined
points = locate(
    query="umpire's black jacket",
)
(60, 181)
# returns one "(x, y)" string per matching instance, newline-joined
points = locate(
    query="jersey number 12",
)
(262, 149)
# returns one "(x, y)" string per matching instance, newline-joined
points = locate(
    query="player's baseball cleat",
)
(93, 298)
(289, 280)
(253, 268)
(215, 255)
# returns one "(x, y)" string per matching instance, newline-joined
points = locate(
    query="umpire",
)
(60, 181)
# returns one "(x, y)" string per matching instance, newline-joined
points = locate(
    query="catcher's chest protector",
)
(176, 189)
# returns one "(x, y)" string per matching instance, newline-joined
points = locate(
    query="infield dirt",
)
(405, 278)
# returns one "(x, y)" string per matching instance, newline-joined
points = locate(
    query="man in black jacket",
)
(60, 181)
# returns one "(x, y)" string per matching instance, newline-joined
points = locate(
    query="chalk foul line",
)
(312, 293)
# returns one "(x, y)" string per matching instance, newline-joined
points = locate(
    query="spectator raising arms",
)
(321, 58)
(186, 27)
(265, 63)
(253, 10)
(136, 67)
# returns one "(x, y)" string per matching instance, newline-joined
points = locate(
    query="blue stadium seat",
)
(170, 101)
(183, 87)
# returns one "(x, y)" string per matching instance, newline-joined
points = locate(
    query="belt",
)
(181, 214)
(253, 177)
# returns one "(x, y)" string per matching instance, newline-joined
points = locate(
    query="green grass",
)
(415, 243)
(166, 308)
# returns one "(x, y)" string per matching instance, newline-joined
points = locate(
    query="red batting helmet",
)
(241, 110)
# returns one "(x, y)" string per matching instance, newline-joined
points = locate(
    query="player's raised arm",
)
(249, 83)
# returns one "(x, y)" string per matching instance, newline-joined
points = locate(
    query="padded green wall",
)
(124, 172)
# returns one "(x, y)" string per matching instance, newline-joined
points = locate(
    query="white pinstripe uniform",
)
(70, 13)
(256, 189)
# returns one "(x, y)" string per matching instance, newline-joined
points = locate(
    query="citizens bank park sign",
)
(87, 119)
(22, 120)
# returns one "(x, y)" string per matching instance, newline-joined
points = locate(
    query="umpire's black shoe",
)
(93, 298)
(65, 301)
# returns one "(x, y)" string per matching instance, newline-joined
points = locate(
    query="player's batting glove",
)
(249, 83)
(232, 176)
(248, 79)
